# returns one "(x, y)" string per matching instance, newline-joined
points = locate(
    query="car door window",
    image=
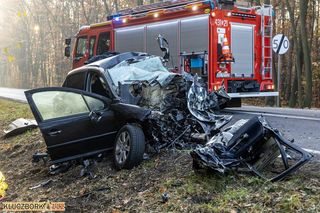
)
(81, 47)
(103, 43)
(98, 85)
(76, 81)
(58, 104)
(94, 104)
(92, 43)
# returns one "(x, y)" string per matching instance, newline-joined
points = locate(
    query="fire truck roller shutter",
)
(168, 30)
(195, 34)
(242, 47)
(131, 39)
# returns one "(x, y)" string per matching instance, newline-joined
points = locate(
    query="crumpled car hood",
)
(180, 104)
(148, 69)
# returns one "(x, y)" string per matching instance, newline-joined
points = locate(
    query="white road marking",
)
(313, 151)
(276, 115)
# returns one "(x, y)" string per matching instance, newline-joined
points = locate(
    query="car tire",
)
(129, 147)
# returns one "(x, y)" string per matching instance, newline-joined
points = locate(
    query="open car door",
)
(74, 123)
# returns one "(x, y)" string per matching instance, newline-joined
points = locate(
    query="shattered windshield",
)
(140, 69)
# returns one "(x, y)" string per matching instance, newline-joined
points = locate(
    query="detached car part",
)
(20, 126)
(251, 145)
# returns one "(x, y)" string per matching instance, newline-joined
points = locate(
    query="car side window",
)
(103, 43)
(92, 43)
(94, 104)
(57, 104)
(76, 81)
(81, 46)
(98, 85)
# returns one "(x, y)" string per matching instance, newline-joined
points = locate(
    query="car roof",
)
(109, 62)
(112, 61)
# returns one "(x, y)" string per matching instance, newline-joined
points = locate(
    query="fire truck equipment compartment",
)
(242, 47)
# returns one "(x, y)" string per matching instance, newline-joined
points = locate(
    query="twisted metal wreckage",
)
(188, 113)
(177, 110)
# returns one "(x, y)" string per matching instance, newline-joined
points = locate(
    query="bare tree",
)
(306, 51)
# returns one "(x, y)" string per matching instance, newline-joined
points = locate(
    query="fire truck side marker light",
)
(156, 15)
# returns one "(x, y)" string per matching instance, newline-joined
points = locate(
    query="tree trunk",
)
(106, 7)
(306, 52)
(140, 2)
(116, 5)
(297, 48)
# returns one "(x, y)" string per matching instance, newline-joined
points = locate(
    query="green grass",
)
(10, 111)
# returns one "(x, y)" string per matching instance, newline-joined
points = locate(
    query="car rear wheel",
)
(129, 147)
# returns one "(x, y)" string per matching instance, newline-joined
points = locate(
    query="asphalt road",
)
(302, 125)
(13, 94)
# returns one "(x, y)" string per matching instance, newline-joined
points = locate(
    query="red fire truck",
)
(196, 31)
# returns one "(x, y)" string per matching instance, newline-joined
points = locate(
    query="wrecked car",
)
(124, 103)
(253, 146)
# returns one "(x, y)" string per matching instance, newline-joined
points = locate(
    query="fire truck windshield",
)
(146, 68)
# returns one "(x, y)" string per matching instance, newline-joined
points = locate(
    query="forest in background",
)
(33, 33)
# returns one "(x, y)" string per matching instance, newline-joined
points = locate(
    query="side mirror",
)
(67, 51)
(164, 46)
(68, 41)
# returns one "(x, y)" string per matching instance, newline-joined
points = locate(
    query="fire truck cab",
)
(199, 34)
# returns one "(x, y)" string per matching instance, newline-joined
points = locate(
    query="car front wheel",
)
(129, 147)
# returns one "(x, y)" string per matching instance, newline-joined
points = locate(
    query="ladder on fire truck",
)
(158, 6)
(266, 35)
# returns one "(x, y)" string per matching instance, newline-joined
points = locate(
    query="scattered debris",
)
(165, 197)
(86, 171)
(146, 156)
(20, 126)
(251, 145)
(36, 157)
(60, 168)
(43, 184)
(84, 194)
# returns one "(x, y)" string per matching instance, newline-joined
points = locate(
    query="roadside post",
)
(280, 45)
